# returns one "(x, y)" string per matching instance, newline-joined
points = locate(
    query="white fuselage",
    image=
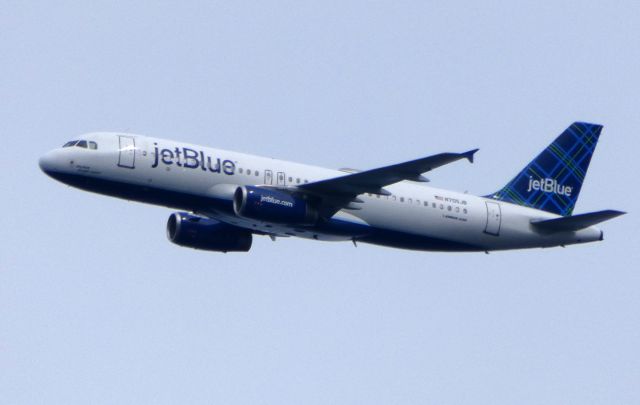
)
(202, 180)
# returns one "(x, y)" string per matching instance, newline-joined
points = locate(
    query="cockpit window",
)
(81, 144)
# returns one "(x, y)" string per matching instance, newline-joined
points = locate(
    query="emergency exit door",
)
(268, 177)
(494, 218)
(127, 154)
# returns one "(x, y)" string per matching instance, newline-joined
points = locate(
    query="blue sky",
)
(96, 306)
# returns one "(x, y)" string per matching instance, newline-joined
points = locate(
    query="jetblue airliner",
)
(225, 198)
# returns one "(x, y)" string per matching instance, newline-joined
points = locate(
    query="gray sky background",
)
(96, 306)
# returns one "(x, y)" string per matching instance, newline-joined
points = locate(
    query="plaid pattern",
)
(566, 161)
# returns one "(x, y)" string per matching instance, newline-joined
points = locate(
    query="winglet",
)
(469, 155)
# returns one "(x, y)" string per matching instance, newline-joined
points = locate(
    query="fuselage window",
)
(93, 145)
(82, 144)
(449, 208)
(441, 206)
(410, 200)
(433, 205)
(426, 203)
(298, 180)
(257, 173)
(401, 199)
(248, 172)
(457, 209)
(290, 179)
(464, 210)
(240, 170)
(393, 197)
(69, 144)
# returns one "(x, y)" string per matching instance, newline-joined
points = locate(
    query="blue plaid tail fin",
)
(552, 181)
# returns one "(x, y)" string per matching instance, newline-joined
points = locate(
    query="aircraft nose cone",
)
(46, 162)
(50, 162)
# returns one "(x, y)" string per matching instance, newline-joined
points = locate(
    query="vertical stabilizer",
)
(552, 181)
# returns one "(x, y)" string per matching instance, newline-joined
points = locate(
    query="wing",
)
(373, 181)
(339, 192)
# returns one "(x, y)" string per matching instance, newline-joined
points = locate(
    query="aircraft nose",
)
(45, 162)
(50, 161)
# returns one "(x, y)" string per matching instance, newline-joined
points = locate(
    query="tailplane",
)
(575, 222)
(552, 181)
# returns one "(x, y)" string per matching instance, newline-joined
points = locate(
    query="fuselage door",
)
(268, 177)
(127, 155)
(494, 218)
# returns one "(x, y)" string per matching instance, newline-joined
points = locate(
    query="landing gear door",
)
(127, 154)
(494, 218)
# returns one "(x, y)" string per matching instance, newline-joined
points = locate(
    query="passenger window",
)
(248, 172)
(426, 204)
(449, 208)
(401, 199)
(441, 206)
(298, 180)
(93, 145)
(464, 210)
(410, 200)
(457, 209)
(433, 205)
(240, 170)
(82, 144)
(257, 173)
(290, 179)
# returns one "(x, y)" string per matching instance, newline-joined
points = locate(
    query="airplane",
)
(224, 198)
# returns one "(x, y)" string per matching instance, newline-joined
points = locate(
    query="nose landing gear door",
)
(127, 152)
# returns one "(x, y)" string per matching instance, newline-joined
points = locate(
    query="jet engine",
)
(269, 205)
(207, 234)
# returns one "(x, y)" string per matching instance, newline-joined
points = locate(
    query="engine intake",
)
(207, 234)
(275, 206)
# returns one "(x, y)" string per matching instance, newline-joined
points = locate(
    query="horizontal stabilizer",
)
(575, 222)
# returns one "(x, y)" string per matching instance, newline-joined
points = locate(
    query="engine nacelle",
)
(207, 234)
(275, 206)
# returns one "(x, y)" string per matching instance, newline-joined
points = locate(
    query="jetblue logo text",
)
(192, 159)
(548, 185)
(271, 200)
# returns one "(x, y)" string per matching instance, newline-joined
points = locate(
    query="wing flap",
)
(575, 222)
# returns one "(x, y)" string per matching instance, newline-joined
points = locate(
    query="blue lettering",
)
(167, 157)
(228, 167)
(190, 158)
